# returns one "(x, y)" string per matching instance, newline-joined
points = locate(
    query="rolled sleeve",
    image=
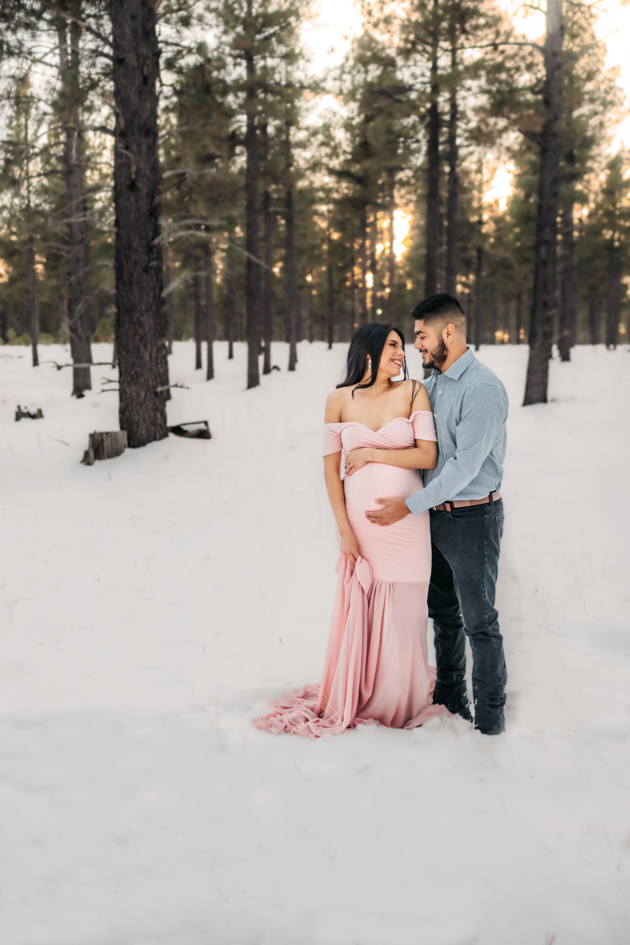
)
(483, 416)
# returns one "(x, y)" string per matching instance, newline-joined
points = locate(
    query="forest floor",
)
(151, 603)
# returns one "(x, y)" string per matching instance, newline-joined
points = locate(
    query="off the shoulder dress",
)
(376, 666)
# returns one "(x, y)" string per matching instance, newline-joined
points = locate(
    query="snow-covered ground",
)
(151, 603)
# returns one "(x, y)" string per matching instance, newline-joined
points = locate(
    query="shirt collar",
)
(457, 369)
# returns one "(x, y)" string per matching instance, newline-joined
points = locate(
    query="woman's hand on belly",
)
(350, 546)
(355, 459)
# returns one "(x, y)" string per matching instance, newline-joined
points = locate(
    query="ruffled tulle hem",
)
(298, 714)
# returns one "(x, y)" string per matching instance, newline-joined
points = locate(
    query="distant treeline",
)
(291, 205)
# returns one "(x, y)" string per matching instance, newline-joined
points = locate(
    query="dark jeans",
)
(465, 544)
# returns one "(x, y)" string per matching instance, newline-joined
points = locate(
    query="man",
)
(470, 407)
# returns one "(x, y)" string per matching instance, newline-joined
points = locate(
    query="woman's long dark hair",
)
(368, 341)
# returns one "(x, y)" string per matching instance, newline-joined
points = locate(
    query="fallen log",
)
(197, 429)
(105, 446)
(23, 412)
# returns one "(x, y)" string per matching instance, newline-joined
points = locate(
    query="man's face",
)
(431, 345)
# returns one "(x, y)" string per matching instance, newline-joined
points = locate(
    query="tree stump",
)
(105, 446)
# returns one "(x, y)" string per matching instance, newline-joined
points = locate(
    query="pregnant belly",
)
(379, 481)
(399, 552)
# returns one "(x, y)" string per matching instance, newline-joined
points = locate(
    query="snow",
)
(151, 603)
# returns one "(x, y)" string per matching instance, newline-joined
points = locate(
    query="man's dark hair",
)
(438, 310)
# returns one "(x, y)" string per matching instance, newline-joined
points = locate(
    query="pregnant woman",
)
(376, 665)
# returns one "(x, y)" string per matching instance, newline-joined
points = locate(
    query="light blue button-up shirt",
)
(470, 408)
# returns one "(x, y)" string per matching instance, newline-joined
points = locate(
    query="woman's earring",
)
(369, 363)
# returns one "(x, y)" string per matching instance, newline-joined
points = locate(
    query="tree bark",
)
(78, 303)
(493, 317)
(141, 351)
(231, 300)
(331, 298)
(169, 304)
(164, 333)
(33, 313)
(353, 297)
(545, 254)
(594, 316)
(613, 295)
(289, 261)
(198, 318)
(391, 264)
(478, 296)
(452, 199)
(363, 237)
(210, 321)
(268, 281)
(432, 228)
(252, 268)
(519, 317)
(374, 295)
(568, 301)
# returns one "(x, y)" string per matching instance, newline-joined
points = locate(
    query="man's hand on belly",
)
(393, 511)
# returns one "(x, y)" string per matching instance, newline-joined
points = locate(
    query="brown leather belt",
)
(464, 503)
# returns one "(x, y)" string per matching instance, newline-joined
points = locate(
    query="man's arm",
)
(484, 413)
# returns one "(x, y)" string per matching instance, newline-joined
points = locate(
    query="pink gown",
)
(376, 667)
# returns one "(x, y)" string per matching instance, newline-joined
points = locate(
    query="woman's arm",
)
(422, 456)
(334, 485)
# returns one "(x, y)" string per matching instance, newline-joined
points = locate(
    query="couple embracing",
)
(414, 544)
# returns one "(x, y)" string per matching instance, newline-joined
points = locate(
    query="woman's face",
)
(393, 356)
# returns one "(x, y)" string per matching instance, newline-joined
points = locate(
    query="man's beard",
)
(438, 356)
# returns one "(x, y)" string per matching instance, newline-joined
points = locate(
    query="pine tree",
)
(141, 349)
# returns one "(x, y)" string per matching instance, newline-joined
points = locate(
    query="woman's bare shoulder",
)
(420, 396)
(335, 403)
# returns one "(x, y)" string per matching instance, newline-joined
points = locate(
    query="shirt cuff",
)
(417, 503)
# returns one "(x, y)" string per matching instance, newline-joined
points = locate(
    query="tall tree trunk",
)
(78, 303)
(519, 317)
(452, 199)
(210, 320)
(613, 294)
(594, 316)
(478, 296)
(198, 318)
(363, 237)
(33, 313)
(169, 304)
(544, 290)
(231, 300)
(493, 317)
(374, 295)
(164, 330)
(353, 296)
(391, 264)
(268, 281)
(568, 301)
(4, 325)
(331, 298)
(290, 286)
(141, 351)
(432, 228)
(252, 268)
